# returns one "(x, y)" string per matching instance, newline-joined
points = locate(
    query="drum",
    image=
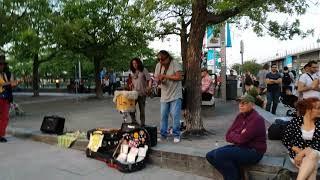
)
(126, 100)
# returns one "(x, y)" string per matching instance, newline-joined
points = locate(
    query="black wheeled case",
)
(153, 133)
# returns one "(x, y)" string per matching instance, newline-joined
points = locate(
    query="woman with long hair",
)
(302, 138)
(141, 82)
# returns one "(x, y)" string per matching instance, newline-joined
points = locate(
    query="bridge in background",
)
(295, 59)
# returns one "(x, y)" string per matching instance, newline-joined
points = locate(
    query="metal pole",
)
(79, 71)
(241, 52)
(75, 78)
(242, 73)
(223, 63)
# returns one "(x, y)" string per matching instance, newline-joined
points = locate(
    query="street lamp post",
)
(241, 52)
(241, 72)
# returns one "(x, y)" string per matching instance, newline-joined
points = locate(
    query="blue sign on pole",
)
(228, 44)
(288, 61)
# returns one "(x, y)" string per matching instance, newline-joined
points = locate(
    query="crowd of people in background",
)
(247, 134)
(109, 81)
(271, 86)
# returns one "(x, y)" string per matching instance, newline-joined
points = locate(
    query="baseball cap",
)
(246, 98)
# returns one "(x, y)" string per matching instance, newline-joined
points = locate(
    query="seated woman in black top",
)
(302, 138)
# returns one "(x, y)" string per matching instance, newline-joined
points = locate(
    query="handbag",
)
(283, 174)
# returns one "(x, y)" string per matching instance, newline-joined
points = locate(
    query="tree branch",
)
(166, 33)
(188, 23)
(224, 15)
(216, 18)
(49, 58)
(177, 12)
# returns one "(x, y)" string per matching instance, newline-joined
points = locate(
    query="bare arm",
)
(175, 77)
(302, 87)
(278, 81)
(269, 81)
(315, 85)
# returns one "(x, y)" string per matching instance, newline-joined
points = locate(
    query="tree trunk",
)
(35, 75)
(97, 67)
(193, 73)
(184, 43)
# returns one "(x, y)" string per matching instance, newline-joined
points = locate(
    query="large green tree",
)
(33, 38)
(212, 12)
(11, 14)
(99, 29)
(175, 18)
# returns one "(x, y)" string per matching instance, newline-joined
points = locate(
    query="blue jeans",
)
(228, 159)
(173, 107)
(272, 97)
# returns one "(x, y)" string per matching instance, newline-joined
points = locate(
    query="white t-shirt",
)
(307, 135)
(306, 79)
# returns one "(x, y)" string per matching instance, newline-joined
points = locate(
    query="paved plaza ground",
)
(29, 160)
(87, 112)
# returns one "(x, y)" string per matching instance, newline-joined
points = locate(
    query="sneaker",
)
(162, 139)
(3, 140)
(176, 140)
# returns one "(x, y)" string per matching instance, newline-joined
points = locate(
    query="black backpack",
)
(276, 130)
(286, 79)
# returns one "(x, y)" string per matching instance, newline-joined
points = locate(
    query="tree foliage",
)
(212, 12)
(106, 32)
(33, 35)
(103, 32)
(248, 66)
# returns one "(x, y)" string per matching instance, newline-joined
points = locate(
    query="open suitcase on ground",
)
(112, 146)
(129, 151)
(111, 139)
(137, 140)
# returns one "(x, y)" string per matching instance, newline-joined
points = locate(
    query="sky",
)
(260, 48)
